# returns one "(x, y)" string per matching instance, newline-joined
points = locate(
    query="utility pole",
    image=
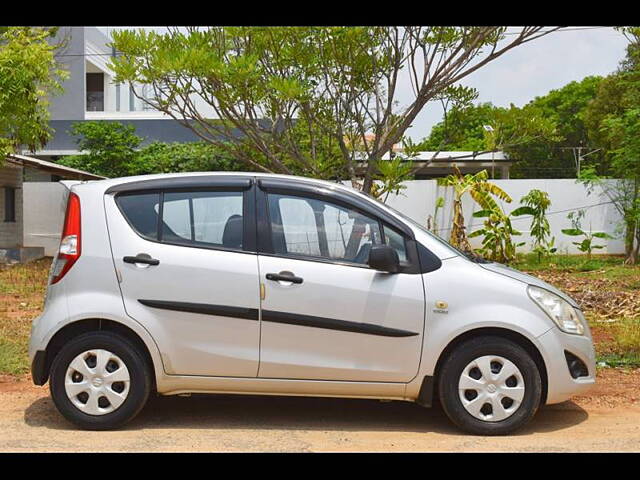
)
(578, 157)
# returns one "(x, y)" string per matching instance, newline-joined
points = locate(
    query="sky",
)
(534, 69)
(529, 70)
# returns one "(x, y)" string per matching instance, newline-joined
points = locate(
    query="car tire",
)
(506, 382)
(111, 401)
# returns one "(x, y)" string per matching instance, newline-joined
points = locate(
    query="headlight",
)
(558, 310)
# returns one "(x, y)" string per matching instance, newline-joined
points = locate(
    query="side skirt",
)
(178, 384)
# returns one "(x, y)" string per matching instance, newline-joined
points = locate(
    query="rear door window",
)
(195, 218)
(141, 211)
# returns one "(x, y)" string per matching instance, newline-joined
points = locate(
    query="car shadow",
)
(299, 413)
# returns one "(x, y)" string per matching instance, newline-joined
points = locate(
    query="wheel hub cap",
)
(97, 382)
(491, 388)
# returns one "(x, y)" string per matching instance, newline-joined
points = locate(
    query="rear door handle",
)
(141, 258)
(284, 277)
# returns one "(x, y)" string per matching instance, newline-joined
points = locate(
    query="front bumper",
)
(561, 385)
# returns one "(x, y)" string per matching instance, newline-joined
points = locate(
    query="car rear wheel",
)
(490, 386)
(99, 381)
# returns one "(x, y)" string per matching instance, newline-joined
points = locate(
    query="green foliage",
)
(613, 120)
(318, 101)
(586, 245)
(29, 75)
(113, 150)
(110, 149)
(536, 203)
(482, 192)
(497, 244)
(391, 175)
(535, 135)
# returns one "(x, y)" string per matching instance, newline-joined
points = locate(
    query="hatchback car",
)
(271, 284)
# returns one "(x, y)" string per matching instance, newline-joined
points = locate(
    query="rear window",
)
(194, 218)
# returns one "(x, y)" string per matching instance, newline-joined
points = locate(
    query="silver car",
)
(278, 285)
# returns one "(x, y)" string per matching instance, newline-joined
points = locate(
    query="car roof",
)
(111, 183)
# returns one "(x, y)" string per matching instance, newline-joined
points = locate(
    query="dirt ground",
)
(608, 419)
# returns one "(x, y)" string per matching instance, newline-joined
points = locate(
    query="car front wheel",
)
(490, 386)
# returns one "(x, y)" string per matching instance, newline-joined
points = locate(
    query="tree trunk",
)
(458, 236)
(631, 236)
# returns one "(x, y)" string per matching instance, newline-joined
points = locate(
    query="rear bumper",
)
(39, 372)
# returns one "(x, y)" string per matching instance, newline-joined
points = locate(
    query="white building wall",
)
(44, 206)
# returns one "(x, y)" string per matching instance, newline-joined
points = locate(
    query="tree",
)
(339, 84)
(613, 120)
(536, 203)
(110, 149)
(539, 135)
(29, 75)
(113, 149)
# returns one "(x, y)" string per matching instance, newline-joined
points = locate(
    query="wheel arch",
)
(505, 333)
(78, 327)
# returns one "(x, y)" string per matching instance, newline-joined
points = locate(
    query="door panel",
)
(199, 304)
(378, 339)
(340, 320)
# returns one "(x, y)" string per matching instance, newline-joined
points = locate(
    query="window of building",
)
(9, 204)
(132, 99)
(95, 92)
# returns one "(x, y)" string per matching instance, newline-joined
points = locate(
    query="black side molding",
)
(279, 317)
(204, 308)
(333, 324)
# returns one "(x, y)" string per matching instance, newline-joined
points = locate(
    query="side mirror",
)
(384, 258)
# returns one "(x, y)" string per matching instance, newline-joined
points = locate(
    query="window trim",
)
(248, 216)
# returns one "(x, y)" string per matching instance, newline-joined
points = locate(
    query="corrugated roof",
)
(55, 168)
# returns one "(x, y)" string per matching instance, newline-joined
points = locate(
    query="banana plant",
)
(482, 192)
(497, 244)
(586, 245)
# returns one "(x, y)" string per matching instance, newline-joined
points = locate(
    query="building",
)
(22, 217)
(90, 94)
(439, 164)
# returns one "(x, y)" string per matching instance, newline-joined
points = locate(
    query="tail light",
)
(69, 251)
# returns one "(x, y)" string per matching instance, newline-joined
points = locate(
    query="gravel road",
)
(607, 420)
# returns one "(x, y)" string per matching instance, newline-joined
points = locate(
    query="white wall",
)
(44, 206)
(418, 202)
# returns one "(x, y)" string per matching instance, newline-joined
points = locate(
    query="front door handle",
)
(284, 277)
(141, 258)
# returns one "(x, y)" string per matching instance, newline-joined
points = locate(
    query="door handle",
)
(141, 258)
(286, 277)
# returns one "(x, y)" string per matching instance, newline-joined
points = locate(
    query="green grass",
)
(618, 360)
(22, 290)
(13, 357)
(571, 263)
